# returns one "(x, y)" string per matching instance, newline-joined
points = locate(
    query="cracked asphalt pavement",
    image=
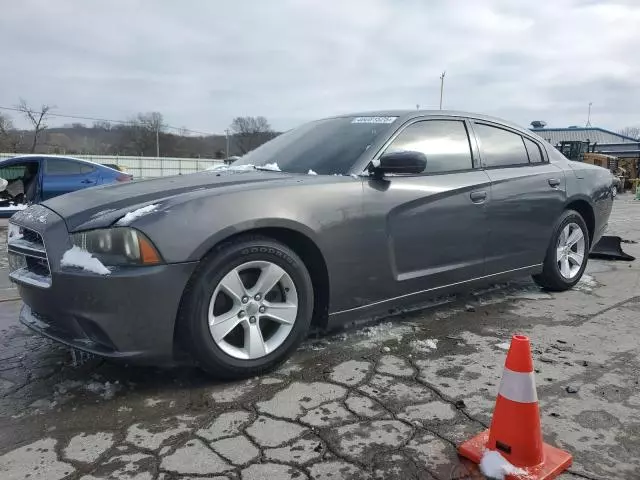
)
(387, 400)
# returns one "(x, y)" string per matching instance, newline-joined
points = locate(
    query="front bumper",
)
(129, 314)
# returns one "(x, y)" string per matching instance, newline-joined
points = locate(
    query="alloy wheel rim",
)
(253, 310)
(570, 251)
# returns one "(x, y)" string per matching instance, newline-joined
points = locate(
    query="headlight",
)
(118, 246)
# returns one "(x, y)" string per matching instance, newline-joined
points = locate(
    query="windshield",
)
(325, 147)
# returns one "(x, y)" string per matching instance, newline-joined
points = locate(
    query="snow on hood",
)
(274, 167)
(85, 209)
(270, 166)
(134, 215)
(231, 168)
(32, 214)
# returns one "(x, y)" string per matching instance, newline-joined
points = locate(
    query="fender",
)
(577, 197)
(249, 225)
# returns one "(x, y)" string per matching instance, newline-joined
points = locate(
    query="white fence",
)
(146, 167)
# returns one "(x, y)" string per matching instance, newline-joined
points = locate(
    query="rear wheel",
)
(567, 253)
(248, 307)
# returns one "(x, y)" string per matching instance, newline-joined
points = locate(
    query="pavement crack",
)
(414, 428)
(582, 475)
(370, 397)
(442, 396)
(29, 381)
(591, 316)
(339, 455)
(418, 467)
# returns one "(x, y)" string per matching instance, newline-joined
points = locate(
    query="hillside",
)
(126, 140)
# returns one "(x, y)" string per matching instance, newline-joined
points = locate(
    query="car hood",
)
(101, 206)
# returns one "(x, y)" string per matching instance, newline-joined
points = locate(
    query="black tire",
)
(195, 335)
(551, 278)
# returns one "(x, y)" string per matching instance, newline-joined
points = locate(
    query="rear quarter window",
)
(499, 147)
(533, 149)
(57, 166)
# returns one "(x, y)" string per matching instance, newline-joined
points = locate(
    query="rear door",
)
(527, 197)
(64, 175)
(434, 222)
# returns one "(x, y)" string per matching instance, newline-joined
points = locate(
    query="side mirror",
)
(407, 162)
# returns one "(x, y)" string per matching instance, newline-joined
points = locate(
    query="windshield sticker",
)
(374, 120)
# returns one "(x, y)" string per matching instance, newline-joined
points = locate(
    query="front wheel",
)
(247, 308)
(567, 254)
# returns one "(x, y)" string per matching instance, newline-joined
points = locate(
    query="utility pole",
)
(442, 87)
(158, 139)
(589, 116)
(226, 155)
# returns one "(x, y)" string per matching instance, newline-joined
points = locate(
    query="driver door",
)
(434, 223)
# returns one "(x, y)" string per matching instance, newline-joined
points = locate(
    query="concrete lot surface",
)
(387, 400)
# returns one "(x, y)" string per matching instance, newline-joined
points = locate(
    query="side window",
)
(444, 142)
(535, 155)
(57, 166)
(13, 172)
(500, 148)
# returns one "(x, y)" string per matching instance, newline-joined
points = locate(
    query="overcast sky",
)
(201, 62)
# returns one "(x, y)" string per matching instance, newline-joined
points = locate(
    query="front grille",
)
(28, 261)
(32, 236)
(39, 266)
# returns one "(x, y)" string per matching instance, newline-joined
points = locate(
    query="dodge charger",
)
(340, 219)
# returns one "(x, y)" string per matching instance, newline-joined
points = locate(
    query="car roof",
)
(64, 157)
(405, 115)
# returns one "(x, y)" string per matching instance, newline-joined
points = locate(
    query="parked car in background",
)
(340, 219)
(34, 178)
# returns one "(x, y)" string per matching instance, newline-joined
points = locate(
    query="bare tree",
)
(10, 139)
(152, 121)
(6, 128)
(102, 124)
(142, 134)
(633, 132)
(149, 126)
(250, 132)
(37, 118)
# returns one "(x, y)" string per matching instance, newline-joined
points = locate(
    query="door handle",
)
(479, 196)
(87, 181)
(553, 182)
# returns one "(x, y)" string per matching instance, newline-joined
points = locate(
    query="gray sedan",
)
(340, 219)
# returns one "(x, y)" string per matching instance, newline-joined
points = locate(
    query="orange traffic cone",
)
(515, 427)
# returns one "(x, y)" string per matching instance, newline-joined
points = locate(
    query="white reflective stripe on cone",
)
(518, 387)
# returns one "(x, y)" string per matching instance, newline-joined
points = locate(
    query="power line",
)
(94, 119)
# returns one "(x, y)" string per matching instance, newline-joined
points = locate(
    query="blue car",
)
(30, 179)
